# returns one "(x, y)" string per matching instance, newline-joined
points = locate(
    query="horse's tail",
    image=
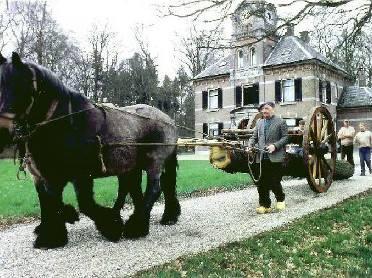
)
(168, 181)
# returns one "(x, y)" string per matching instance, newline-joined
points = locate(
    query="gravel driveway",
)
(206, 222)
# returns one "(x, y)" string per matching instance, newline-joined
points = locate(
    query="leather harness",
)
(20, 130)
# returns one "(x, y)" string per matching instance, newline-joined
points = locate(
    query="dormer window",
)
(240, 59)
(253, 56)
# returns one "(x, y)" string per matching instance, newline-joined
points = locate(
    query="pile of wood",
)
(236, 161)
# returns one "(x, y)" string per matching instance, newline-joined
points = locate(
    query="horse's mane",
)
(50, 83)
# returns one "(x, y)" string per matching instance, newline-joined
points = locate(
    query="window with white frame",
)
(288, 90)
(253, 56)
(213, 129)
(324, 94)
(240, 59)
(213, 99)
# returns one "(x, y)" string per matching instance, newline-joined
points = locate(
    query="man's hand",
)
(271, 148)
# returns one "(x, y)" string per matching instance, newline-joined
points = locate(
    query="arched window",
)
(240, 59)
(253, 57)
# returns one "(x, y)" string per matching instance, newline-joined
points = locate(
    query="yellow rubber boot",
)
(262, 210)
(280, 206)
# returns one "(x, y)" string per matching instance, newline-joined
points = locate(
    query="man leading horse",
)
(270, 136)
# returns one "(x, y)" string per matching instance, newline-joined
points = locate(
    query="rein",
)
(22, 129)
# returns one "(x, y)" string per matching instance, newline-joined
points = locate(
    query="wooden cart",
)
(311, 153)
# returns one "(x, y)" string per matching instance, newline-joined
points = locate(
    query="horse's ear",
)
(2, 59)
(16, 60)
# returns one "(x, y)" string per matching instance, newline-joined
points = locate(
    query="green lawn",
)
(19, 199)
(336, 242)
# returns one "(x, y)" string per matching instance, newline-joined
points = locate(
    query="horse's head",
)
(16, 94)
(16, 87)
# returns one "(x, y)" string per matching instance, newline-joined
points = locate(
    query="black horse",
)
(68, 138)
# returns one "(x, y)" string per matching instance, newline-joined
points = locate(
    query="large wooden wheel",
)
(319, 143)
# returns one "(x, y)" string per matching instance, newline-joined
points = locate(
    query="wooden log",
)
(236, 161)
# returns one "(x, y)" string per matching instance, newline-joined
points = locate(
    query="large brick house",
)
(285, 70)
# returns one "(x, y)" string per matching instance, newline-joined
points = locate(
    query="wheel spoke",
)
(320, 171)
(315, 124)
(319, 127)
(320, 134)
(311, 132)
(314, 167)
(324, 131)
(325, 140)
(326, 163)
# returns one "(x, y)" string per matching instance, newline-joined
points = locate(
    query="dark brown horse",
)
(68, 138)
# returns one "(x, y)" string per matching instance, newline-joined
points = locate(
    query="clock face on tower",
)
(245, 17)
(252, 18)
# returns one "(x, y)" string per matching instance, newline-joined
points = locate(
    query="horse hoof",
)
(136, 227)
(38, 229)
(69, 214)
(110, 225)
(41, 244)
(113, 232)
(49, 241)
(170, 216)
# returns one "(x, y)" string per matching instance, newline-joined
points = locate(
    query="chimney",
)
(290, 30)
(362, 79)
(304, 35)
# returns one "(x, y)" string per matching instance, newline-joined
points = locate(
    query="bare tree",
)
(199, 49)
(83, 77)
(101, 40)
(32, 25)
(353, 15)
(35, 35)
(21, 27)
(144, 71)
(3, 28)
(335, 42)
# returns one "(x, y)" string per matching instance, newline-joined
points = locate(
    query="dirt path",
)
(206, 222)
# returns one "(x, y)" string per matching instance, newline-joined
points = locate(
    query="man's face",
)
(346, 123)
(302, 127)
(267, 111)
(362, 127)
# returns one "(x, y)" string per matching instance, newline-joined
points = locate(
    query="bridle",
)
(19, 125)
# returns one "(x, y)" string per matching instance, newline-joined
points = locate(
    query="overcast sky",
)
(122, 16)
(76, 17)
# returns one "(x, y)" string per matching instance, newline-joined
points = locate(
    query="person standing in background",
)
(364, 141)
(301, 127)
(346, 135)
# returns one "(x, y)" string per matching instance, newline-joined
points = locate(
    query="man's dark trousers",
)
(365, 156)
(271, 177)
(348, 151)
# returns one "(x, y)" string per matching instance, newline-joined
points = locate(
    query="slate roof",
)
(355, 97)
(223, 66)
(289, 49)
